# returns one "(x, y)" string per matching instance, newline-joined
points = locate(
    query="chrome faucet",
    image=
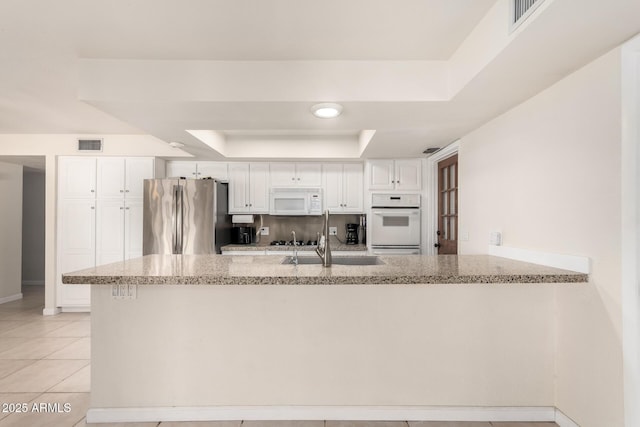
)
(295, 248)
(323, 250)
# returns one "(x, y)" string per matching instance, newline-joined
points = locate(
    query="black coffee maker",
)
(242, 235)
(352, 234)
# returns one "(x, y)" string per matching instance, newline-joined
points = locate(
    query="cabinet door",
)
(181, 169)
(137, 169)
(215, 170)
(283, 174)
(77, 177)
(109, 231)
(309, 174)
(381, 175)
(110, 177)
(133, 228)
(76, 248)
(333, 187)
(259, 188)
(353, 188)
(408, 174)
(238, 187)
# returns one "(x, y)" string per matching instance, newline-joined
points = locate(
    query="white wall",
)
(547, 175)
(33, 230)
(10, 230)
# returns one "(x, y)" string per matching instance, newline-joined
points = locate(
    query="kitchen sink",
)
(338, 260)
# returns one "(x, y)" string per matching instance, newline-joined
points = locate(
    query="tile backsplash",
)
(306, 227)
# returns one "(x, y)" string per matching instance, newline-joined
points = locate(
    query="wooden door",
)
(447, 239)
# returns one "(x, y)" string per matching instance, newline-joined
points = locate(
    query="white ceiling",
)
(420, 72)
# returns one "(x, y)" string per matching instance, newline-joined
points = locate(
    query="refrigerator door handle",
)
(177, 219)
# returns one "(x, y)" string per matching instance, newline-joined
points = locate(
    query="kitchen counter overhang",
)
(269, 270)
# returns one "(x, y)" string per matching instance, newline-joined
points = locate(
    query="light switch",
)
(264, 231)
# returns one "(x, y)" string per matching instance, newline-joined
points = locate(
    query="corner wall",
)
(547, 175)
(33, 230)
(10, 231)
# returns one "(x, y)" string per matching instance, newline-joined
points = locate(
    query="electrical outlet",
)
(264, 231)
(333, 231)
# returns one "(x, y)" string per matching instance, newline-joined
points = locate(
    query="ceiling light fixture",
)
(176, 144)
(326, 110)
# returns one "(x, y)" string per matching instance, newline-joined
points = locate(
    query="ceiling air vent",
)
(89, 145)
(521, 10)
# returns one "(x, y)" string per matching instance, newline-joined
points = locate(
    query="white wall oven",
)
(395, 224)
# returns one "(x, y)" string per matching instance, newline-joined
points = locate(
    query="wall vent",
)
(89, 145)
(521, 10)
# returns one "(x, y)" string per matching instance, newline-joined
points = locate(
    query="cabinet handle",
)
(93, 207)
(298, 179)
(127, 208)
(250, 204)
(293, 179)
(393, 181)
(126, 191)
(122, 191)
(398, 182)
(121, 208)
(93, 191)
(246, 205)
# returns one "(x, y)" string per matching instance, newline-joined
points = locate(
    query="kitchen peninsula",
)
(244, 337)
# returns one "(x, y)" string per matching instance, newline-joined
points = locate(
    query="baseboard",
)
(563, 421)
(78, 309)
(33, 283)
(351, 413)
(50, 311)
(11, 298)
(580, 264)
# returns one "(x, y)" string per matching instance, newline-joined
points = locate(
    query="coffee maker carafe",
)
(352, 234)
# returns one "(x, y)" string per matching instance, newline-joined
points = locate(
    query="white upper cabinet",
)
(123, 177)
(404, 175)
(353, 183)
(296, 174)
(190, 169)
(409, 174)
(181, 169)
(76, 177)
(111, 177)
(343, 187)
(137, 169)
(215, 170)
(248, 188)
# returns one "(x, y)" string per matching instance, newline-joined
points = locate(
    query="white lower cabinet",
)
(77, 249)
(118, 230)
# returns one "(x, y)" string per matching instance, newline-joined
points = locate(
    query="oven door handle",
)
(385, 212)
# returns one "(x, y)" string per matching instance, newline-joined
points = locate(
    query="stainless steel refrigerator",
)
(185, 216)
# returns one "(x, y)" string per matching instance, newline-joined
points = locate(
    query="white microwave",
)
(295, 201)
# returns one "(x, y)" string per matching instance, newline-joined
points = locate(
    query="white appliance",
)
(395, 224)
(295, 201)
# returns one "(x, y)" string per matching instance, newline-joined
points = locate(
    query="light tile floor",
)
(44, 367)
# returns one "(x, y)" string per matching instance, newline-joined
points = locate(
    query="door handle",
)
(437, 245)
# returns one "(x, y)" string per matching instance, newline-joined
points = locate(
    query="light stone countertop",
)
(268, 270)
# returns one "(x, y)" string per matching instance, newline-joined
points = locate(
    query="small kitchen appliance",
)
(352, 234)
(242, 235)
